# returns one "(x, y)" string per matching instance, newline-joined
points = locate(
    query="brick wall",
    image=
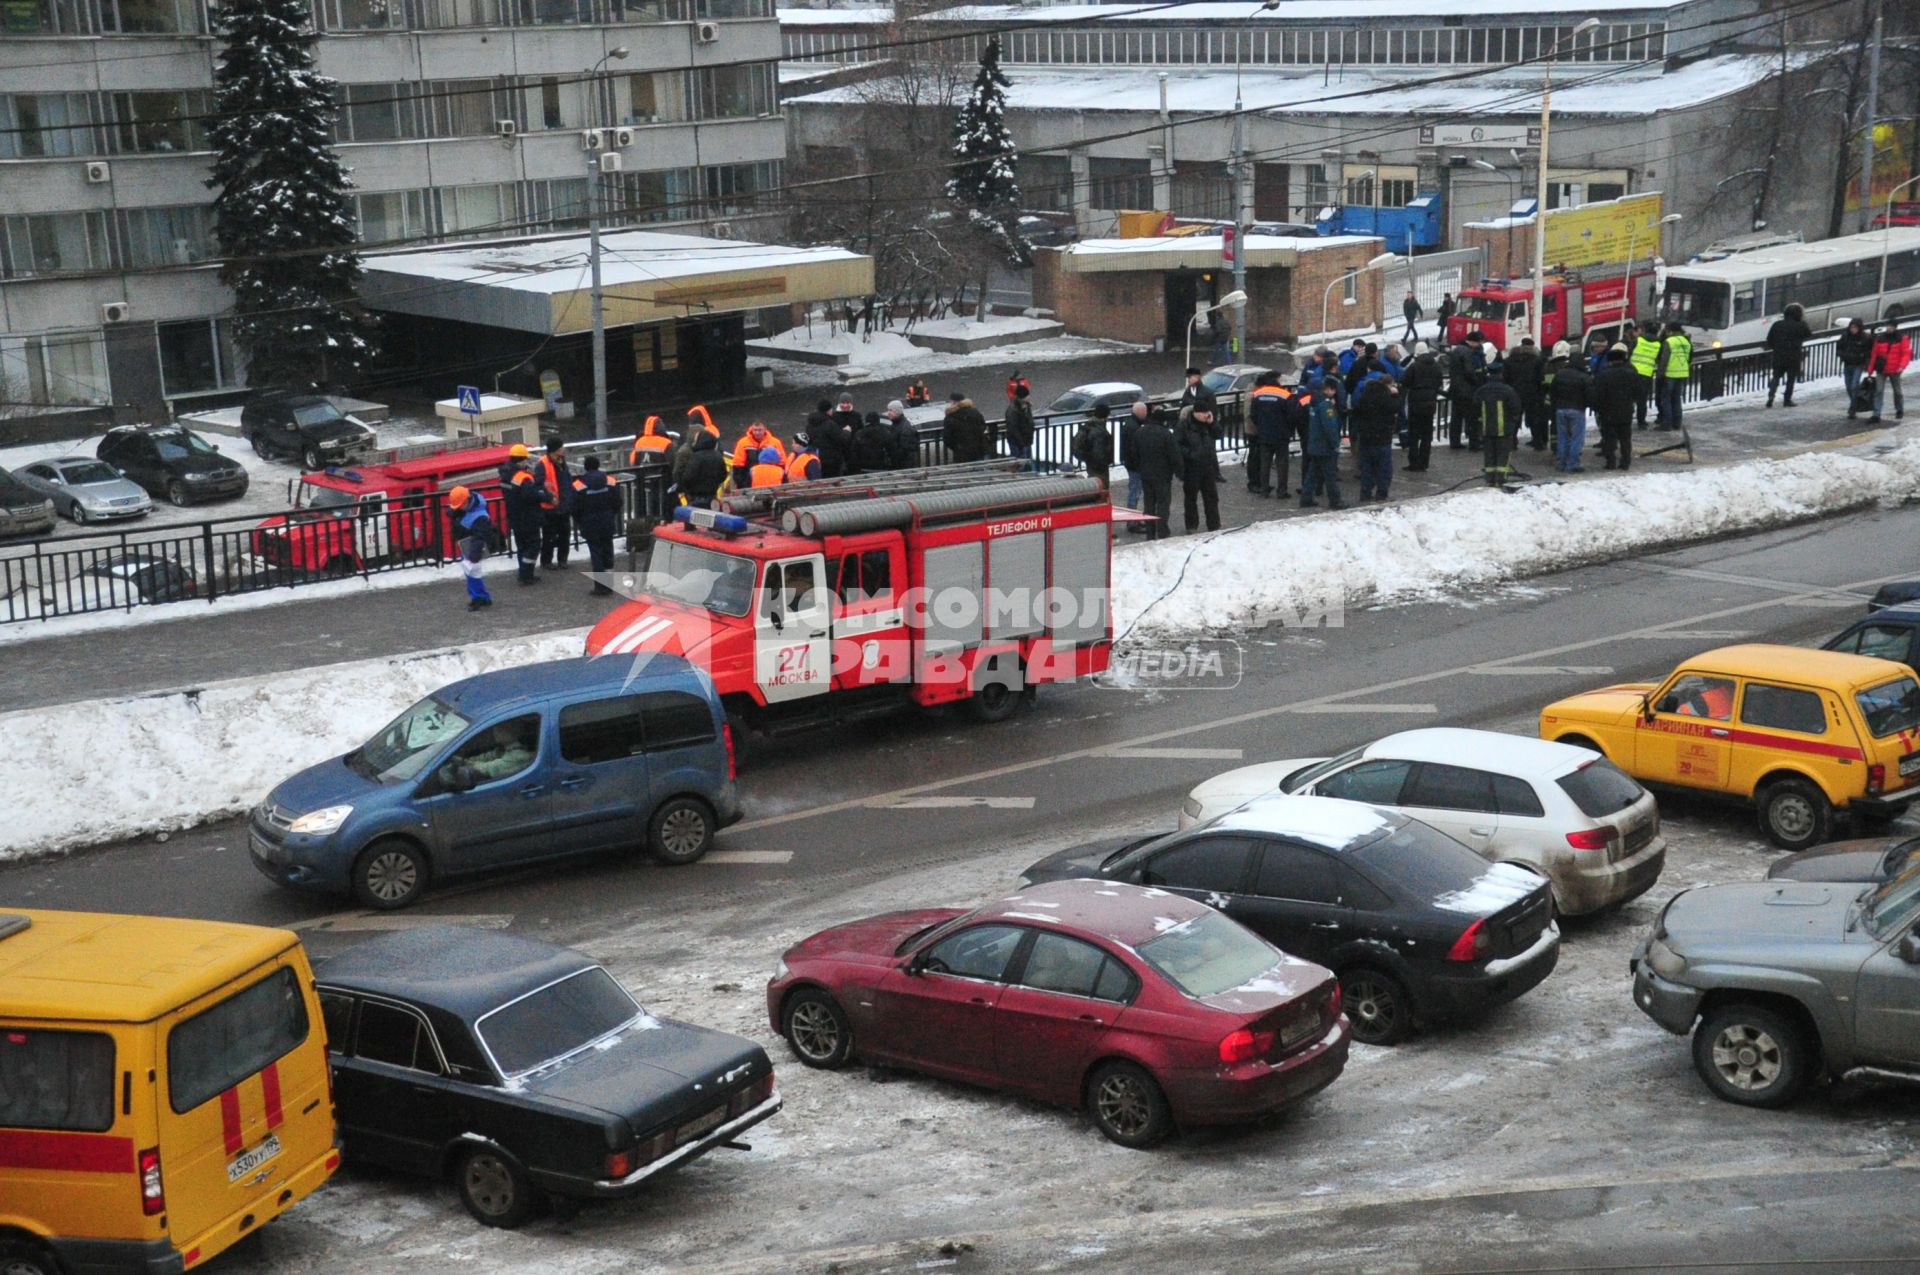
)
(1499, 243)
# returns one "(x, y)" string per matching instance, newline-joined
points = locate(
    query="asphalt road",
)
(828, 815)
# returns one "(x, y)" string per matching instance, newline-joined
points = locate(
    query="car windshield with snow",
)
(523, 1070)
(1418, 927)
(1149, 1011)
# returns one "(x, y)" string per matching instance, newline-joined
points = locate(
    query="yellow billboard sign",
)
(1596, 234)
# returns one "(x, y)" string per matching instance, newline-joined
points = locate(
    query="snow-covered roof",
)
(1320, 821)
(541, 285)
(1519, 755)
(832, 17)
(1293, 11)
(1171, 252)
(1629, 89)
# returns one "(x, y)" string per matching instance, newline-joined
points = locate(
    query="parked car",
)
(1895, 594)
(1228, 378)
(86, 490)
(1803, 735)
(1780, 981)
(1417, 926)
(1890, 633)
(520, 1070)
(174, 462)
(1873, 859)
(1078, 403)
(515, 766)
(306, 427)
(1049, 229)
(124, 578)
(1561, 811)
(23, 510)
(1151, 1012)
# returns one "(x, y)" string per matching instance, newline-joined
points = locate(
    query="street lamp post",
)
(593, 254)
(1886, 237)
(1326, 298)
(1513, 196)
(1234, 300)
(1540, 202)
(1242, 195)
(1633, 233)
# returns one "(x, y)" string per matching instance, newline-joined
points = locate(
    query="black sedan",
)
(1874, 859)
(521, 1070)
(174, 462)
(305, 427)
(1417, 926)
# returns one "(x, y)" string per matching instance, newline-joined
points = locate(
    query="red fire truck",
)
(829, 599)
(343, 517)
(1596, 299)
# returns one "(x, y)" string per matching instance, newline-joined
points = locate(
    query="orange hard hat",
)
(458, 496)
(518, 451)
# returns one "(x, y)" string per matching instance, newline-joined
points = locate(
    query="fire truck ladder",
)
(865, 502)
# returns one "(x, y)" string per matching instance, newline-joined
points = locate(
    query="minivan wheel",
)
(1127, 1106)
(25, 1257)
(680, 832)
(1795, 815)
(1752, 1055)
(389, 874)
(817, 1030)
(1377, 1006)
(494, 1189)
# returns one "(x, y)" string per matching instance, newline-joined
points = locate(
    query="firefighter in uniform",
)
(523, 496)
(1676, 366)
(651, 445)
(596, 511)
(768, 471)
(556, 532)
(757, 439)
(1270, 420)
(1644, 358)
(918, 395)
(1501, 412)
(474, 528)
(804, 465)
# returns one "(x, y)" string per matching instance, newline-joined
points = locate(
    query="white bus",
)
(1735, 300)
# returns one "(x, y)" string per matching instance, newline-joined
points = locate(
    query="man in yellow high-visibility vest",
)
(1644, 357)
(1676, 366)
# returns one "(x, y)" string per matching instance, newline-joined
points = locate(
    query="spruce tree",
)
(982, 186)
(281, 217)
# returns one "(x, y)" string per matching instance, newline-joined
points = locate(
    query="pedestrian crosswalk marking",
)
(747, 856)
(1542, 670)
(1414, 709)
(954, 803)
(369, 922)
(1175, 754)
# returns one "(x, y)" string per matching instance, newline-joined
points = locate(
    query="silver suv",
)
(1787, 979)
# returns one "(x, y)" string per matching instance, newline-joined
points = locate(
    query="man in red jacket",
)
(1891, 353)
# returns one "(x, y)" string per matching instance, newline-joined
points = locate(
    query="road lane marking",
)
(1846, 603)
(1695, 635)
(373, 922)
(1176, 754)
(747, 856)
(950, 803)
(1543, 670)
(1752, 582)
(1217, 724)
(1410, 709)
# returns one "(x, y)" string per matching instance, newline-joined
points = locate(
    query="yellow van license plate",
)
(253, 1159)
(1910, 765)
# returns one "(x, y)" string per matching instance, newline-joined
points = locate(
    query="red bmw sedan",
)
(1151, 1011)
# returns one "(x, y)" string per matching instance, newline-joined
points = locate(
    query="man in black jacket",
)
(903, 439)
(706, 469)
(1421, 384)
(1270, 429)
(1786, 341)
(1093, 445)
(1157, 453)
(1375, 415)
(1525, 373)
(1466, 373)
(596, 512)
(1018, 423)
(522, 494)
(1567, 385)
(873, 445)
(1199, 467)
(1612, 396)
(835, 439)
(966, 434)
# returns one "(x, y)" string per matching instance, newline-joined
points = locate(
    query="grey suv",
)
(1787, 979)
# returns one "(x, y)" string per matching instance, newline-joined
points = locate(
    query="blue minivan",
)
(508, 768)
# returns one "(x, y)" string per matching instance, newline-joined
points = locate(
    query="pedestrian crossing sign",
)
(470, 399)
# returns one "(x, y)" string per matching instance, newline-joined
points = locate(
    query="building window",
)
(657, 97)
(176, 236)
(1119, 183)
(559, 203)
(734, 92)
(46, 125)
(640, 198)
(374, 113)
(1046, 182)
(734, 188)
(156, 123)
(360, 15)
(197, 357)
(54, 243)
(483, 209)
(55, 370)
(392, 215)
(734, 8)
(464, 108)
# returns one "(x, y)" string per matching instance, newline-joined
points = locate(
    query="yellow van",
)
(163, 1090)
(1802, 734)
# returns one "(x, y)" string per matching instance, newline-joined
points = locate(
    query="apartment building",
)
(459, 119)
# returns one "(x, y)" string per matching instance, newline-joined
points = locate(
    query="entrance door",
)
(1183, 296)
(793, 652)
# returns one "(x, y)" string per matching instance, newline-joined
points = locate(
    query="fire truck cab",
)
(1571, 304)
(826, 600)
(343, 518)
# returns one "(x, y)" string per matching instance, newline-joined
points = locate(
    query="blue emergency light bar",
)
(710, 520)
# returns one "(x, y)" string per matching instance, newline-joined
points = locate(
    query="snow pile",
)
(82, 774)
(1304, 571)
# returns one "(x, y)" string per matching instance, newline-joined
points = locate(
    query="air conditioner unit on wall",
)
(99, 172)
(707, 32)
(115, 312)
(621, 137)
(610, 162)
(592, 139)
(721, 230)
(506, 128)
